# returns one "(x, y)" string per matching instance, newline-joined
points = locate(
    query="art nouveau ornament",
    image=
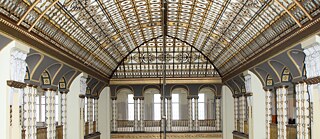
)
(311, 60)
(18, 65)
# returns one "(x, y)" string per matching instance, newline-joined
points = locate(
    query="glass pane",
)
(37, 100)
(56, 112)
(43, 112)
(201, 111)
(130, 111)
(43, 100)
(157, 111)
(175, 111)
(201, 98)
(93, 110)
(156, 98)
(38, 113)
(86, 112)
(56, 99)
(175, 98)
(130, 98)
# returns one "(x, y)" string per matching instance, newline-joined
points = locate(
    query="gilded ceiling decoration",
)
(101, 33)
(182, 60)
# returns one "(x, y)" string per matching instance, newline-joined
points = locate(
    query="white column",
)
(169, 114)
(135, 101)
(196, 113)
(30, 93)
(105, 110)
(236, 99)
(114, 114)
(75, 105)
(141, 114)
(190, 114)
(50, 118)
(311, 48)
(218, 118)
(303, 115)
(268, 112)
(64, 113)
(227, 112)
(282, 111)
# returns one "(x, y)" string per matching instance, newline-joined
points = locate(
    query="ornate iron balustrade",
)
(155, 126)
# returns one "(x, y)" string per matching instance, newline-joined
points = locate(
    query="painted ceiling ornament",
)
(168, 57)
(136, 57)
(183, 57)
(148, 58)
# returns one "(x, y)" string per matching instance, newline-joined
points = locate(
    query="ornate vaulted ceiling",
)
(112, 35)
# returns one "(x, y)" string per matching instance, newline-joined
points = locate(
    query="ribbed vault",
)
(101, 33)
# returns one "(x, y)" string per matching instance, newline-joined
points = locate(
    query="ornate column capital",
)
(247, 82)
(83, 85)
(16, 84)
(64, 91)
(82, 96)
(113, 98)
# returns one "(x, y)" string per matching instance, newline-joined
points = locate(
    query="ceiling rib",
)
(42, 14)
(289, 13)
(28, 11)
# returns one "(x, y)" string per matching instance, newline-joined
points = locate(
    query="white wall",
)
(104, 113)
(4, 95)
(73, 110)
(258, 108)
(227, 113)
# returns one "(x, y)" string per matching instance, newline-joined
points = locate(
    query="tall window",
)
(156, 107)
(201, 106)
(56, 108)
(40, 108)
(130, 107)
(93, 109)
(85, 109)
(175, 107)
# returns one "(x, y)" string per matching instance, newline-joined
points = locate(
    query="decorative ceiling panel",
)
(182, 60)
(101, 33)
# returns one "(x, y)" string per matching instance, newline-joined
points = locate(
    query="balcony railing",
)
(155, 125)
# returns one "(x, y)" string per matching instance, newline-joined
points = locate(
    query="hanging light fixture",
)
(164, 30)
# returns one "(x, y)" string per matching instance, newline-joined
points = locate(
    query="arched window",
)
(152, 104)
(88, 92)
(130, 107)
(206, 105)
(175, 107)
(179, 104)
(41, 99)
(156, 107)
(125, 103)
